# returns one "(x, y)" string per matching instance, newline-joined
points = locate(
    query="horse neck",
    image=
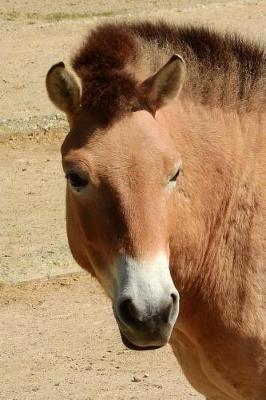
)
(213, 265)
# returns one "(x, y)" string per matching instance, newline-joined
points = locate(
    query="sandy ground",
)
(33, 242)
(58, 339)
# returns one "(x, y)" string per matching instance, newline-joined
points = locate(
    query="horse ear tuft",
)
(165, 84)
(63, 88)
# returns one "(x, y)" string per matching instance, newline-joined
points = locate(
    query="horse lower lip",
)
(132, 346)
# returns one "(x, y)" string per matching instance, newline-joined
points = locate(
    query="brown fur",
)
(210, 58)
(108, 89)
(222, 70)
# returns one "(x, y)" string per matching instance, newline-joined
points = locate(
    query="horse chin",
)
(133, 346)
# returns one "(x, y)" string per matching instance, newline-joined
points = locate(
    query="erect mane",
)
(223, 70)
(108, 88)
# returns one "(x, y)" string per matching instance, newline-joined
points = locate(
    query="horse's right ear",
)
(63, 88)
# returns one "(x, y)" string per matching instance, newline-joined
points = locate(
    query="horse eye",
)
(174, 178)
(76, 180)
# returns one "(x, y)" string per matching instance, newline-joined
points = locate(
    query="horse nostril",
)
(136, 317)
(128, 312)
(174, 298)
(168, 311)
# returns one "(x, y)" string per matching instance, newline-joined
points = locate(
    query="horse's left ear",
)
(165, 84)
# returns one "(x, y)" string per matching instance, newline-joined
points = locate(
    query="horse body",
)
(164, 179)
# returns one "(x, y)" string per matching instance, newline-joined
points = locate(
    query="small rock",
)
(88, 368)
(136, 379)
(145, 375)
(157, 386)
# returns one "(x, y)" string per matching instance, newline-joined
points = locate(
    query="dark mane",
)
(223, 70)
(108, 89)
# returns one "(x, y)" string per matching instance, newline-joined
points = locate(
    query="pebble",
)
(89, 368)
(136, 379)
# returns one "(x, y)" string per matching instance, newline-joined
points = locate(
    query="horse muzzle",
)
(147, 303)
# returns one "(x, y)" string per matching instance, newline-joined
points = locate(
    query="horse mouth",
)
(133, 346)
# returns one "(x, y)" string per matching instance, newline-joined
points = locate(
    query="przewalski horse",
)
(166, 187)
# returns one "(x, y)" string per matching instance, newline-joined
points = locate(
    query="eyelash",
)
(76, 181)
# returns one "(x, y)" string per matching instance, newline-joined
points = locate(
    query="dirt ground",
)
(58, 339)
